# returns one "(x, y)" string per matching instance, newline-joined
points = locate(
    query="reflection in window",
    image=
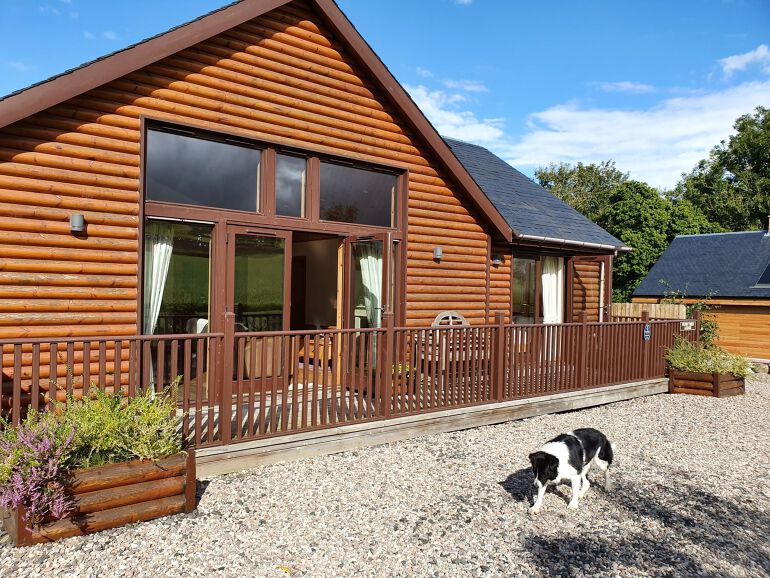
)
(290, 185)
(258, 290)
(195, 171)
(352, 195)
(523, 290)
(177, 262)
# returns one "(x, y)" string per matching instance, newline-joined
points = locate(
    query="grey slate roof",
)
(723, 264)
(527, 207)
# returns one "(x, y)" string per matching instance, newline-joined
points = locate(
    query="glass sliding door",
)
(367, 280)
(524, 290)
(259, 277)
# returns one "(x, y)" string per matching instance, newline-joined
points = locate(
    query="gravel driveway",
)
(691, 497)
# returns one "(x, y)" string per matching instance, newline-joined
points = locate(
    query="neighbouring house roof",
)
(43, 95)
(532, 212)
(721, 264)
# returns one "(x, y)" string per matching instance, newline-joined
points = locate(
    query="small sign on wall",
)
(647, 332)
(688, 325)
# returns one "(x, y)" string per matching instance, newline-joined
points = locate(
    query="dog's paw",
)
(534, 511)
(573, 506)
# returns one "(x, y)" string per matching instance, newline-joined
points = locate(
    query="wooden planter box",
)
(711, 384)
(114, 495)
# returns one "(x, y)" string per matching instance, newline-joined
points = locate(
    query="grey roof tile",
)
(722, 264)
(527, 207)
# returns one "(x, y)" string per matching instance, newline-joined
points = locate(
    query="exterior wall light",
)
(497, 260)
(438, 252)
(77, 224)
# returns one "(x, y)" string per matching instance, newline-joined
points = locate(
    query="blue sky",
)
(653, 85)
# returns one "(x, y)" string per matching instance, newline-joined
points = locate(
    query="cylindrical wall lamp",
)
(438, 252)
(497, 260)
(77, 224)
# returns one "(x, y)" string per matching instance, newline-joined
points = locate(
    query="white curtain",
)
(370, 259)
(553, 289)
(158, 246)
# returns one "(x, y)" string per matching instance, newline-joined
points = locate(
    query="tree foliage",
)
(632, 211)
(732, 186)
(584, 186)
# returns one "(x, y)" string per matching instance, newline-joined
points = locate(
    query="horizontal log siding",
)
(281, 76)
(500, 283)
(585, 289)
(744, 330)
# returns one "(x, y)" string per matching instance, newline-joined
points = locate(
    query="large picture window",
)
(195, 171)
(354, 195)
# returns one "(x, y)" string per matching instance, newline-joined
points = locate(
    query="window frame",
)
(266, 202)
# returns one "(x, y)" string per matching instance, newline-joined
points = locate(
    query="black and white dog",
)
(568, 457)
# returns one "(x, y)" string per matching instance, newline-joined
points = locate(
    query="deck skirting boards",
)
(246, 455)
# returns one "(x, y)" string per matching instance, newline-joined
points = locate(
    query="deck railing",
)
(234, 387)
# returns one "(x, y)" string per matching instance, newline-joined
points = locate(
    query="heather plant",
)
(687, 356)
(36, 456)
(33, 460)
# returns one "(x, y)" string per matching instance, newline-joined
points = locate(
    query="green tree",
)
(583, 186)
(732, 186)
(639, 216)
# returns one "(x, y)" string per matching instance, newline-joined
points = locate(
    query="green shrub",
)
(687, 356)
(110, 428)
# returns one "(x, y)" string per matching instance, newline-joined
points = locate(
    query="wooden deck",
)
(287, 447)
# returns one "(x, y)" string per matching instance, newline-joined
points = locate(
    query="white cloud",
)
(424, 72)
(738, 62)
(88, 35)
(464, 2)
(466, 85)
(109, 35)
(626, 86)
(442, 110)
(655, 145)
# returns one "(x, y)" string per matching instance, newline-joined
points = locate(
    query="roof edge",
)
(368, 58)
(88, 76)
(584, 244)
(58, 89)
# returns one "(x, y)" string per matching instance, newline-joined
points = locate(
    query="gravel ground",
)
(691, 497)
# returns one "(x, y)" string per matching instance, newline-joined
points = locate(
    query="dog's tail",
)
(607, 452)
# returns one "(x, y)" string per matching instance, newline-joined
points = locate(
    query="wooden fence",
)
(273, 383)
(633, 311)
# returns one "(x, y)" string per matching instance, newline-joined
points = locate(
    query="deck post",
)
(646, 345)
(498, 357)
(387, 370)
(583, 349)
(696, 317)
(226, 380)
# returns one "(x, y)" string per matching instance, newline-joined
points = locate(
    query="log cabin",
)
(252, 203)
(262, 160)
(731, 271)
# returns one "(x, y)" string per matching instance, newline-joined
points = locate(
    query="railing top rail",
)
(107, 338)
(309, 332)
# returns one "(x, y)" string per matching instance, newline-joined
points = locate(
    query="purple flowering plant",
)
(33, 468)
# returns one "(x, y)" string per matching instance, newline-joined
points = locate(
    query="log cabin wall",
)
(500, 283)
(281, 76)
(586, 294)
